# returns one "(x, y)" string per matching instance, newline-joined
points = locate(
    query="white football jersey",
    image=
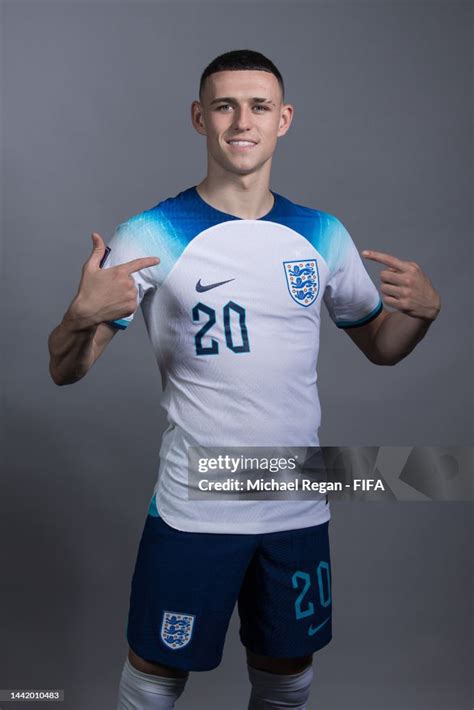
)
(233, 314)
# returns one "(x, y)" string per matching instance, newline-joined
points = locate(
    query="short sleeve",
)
(125, 245)
(350, 295)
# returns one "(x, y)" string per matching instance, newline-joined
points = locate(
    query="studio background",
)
(95, 128)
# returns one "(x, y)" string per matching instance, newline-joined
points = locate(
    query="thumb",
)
(98, 250)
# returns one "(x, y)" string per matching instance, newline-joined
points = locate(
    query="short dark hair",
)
(241, 59)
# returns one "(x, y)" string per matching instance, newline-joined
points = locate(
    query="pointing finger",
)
(382, 258)
(142, 263)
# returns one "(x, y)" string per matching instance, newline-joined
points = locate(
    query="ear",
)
(286, 118)
(197, 117)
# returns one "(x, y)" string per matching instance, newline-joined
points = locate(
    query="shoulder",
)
(140, 222)
(323, 224)
(155, 221)
(139, 235)
(322, 229)
(301, 210)
(160, 231)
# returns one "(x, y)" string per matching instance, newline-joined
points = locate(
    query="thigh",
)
(183, 592)
(285, 603)
(141, 664)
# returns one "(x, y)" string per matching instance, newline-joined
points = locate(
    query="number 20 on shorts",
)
(303, 579)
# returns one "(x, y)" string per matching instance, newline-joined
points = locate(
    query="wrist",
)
(77, 318)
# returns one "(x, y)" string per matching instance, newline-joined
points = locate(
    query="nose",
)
(242, 118)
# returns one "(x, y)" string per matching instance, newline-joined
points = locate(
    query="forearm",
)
(397, 337)
(71, 348)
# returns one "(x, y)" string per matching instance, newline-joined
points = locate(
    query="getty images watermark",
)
(370, 473)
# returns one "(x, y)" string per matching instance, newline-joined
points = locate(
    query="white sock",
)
(275, 690)
(144, 691)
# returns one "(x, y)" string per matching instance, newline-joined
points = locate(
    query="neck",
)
(244, 196)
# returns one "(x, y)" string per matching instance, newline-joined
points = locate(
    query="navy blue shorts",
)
(185, 586)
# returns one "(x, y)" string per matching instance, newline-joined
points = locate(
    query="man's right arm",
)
(103, 295)
(73, 351)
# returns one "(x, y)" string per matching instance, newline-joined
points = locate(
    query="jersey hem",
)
(250, 528)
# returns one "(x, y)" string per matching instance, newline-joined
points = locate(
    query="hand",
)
(406, 287)
(106, 294)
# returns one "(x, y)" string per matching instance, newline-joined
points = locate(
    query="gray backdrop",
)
(96, 127)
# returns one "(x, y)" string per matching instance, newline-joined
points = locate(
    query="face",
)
(230, 112)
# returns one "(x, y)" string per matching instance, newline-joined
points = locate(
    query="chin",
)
(246, 170)
(245, 166)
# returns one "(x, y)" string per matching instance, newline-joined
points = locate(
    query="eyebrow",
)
(231, 99)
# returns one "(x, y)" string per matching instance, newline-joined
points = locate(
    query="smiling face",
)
(242, 115)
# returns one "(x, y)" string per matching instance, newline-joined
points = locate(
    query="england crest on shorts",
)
(176, 629)
(302, 279)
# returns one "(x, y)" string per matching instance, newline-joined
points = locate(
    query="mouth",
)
(241, 145)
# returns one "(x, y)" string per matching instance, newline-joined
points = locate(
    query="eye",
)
(258, 106)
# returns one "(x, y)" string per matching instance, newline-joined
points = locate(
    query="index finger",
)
(142, 263)
(382, 258)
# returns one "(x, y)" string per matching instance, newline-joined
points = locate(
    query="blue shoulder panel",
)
(321, 229)
(173, 223)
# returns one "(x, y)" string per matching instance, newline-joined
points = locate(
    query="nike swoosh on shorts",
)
(312, 631)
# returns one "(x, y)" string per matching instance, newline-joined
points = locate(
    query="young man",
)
(230, 276)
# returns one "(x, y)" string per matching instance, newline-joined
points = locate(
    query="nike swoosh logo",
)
(312, 631)
(200, 288)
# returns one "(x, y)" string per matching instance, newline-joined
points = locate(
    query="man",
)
(230, 276)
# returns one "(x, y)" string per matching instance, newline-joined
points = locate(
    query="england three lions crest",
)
(177, 629)
(302, 279)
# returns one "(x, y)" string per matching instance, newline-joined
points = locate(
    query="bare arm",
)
(390, 337)
(393, 335)
(73, 351)
(84, 333)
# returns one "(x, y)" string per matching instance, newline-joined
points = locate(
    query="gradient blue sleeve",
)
(350, 296)
(127, 243)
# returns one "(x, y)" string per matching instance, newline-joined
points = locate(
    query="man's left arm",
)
(392, 335)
